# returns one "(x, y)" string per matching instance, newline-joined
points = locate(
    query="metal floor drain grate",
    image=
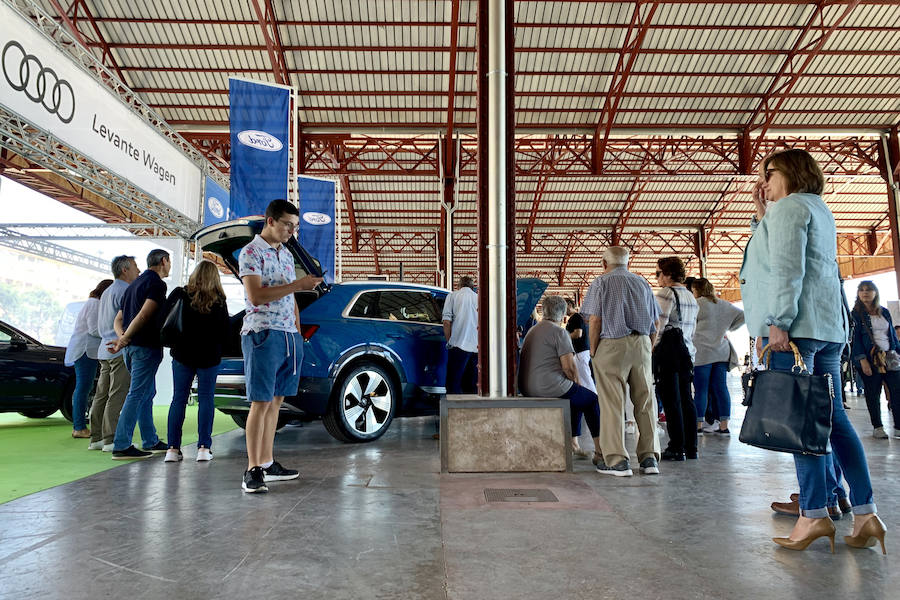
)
(519, 495)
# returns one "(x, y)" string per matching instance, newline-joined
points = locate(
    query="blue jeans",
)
(85, 372)
(462, 368)
(711, 378)
(583, 401)
(816, 491)
(142, 363)
(182, 377)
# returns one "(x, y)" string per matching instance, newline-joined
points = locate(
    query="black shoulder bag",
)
(173, 325)
(788, 411)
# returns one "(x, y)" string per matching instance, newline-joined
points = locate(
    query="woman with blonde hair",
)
(791, 289)
(197, 353)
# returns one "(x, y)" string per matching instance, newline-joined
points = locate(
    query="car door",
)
(409, 322)
(32, 375)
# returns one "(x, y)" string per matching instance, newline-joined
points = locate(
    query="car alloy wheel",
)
(367, 402)
(364, 404)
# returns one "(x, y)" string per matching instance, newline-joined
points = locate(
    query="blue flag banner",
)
(317, 221)
(216, 203)
(260, 126)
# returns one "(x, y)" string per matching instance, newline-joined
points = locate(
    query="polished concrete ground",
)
(379, 521)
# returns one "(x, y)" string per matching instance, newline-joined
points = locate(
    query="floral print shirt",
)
(275, 267)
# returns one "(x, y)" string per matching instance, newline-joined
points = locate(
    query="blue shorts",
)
(272, 362)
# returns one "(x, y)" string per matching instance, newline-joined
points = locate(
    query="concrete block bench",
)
(505, 435)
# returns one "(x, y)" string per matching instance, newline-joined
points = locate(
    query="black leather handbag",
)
(173, 325)
(788, 411)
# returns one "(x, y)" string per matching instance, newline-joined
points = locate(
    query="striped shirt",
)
(669, 314)
(624, 302)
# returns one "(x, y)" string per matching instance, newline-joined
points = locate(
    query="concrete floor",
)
(379, 521)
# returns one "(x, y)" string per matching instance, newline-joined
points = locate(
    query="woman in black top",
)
(197, 353)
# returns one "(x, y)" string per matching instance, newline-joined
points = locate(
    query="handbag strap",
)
(677, 308)
(798, 360)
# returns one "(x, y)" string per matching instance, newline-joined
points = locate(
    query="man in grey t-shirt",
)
(547, 370)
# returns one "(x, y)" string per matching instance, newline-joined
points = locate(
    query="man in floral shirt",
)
(270, 339)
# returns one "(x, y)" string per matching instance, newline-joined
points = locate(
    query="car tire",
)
(38, 413)
(363, 404)
(65, 404)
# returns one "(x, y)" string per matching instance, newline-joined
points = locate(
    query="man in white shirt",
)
(461, 330)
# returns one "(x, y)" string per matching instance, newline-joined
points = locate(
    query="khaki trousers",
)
(112, 387)
(618, 362)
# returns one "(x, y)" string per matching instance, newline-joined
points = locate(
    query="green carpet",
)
(36, 454)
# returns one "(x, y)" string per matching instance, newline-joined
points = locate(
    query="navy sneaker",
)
(158, 448)
(254, 482)
(649, 466)
(275, 472)
(620, 469)
(130, 453)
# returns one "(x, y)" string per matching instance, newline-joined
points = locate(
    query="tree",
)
(34, 311)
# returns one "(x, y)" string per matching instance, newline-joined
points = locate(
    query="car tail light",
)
(307, 331)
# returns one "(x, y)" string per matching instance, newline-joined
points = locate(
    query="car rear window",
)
(419, 307)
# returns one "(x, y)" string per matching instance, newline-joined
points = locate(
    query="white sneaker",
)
(880, 433)
(897, 434)
(204, 454)
(98, 445)
(173, 455)
(710, 428)
(629, 428)
(108, 447)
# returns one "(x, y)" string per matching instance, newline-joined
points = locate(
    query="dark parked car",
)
(35, 380)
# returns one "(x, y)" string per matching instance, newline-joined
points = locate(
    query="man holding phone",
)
(270, 339)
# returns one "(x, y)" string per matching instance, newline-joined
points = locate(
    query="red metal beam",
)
(268, 22)
(634, 194)
(631, 46)
(789, 73)
(106, 55)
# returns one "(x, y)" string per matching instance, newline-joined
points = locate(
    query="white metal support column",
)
(497, 166)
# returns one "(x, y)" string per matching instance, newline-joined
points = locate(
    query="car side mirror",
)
(18, 343)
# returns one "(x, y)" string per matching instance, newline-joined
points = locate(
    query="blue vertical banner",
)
(317, 221)
(260, 132)
(216, 203)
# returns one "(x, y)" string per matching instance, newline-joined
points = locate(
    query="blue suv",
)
(372, 350)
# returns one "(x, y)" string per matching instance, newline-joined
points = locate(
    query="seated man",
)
(547, 369)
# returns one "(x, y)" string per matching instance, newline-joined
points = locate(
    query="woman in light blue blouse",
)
(792, 293)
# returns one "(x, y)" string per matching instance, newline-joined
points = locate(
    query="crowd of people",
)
(627, 353)
(674, 343)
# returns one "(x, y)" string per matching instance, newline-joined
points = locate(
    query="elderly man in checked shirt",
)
(623, 318)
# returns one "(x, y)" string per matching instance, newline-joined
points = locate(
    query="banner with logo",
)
(47, 88)
(260, 126)
(316, 232)
(216, 203)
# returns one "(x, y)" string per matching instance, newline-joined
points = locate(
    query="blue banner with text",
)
(317, 221)
(260, 127)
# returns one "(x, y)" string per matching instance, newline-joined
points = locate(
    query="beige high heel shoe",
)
(822, 528)
(872, 530)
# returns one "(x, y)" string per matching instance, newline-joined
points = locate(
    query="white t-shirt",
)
(880, 331)
(461, 309)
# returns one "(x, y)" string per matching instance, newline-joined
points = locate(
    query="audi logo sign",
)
(260, 140)
(25, 73)
(316, 218)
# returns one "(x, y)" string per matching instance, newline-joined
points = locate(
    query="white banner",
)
(45, 86)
